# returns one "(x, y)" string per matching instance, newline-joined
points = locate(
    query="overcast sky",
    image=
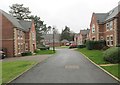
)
(76, 14)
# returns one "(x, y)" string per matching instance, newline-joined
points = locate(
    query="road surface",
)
(66, 66)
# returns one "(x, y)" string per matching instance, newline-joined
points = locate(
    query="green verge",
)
(42, 52)
(10, 70)
(113, 70)
(0, 72)
(95, 55)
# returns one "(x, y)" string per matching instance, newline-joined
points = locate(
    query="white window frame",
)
(93, 28)
(111, 25)
(108, 40)
(111, 40)
(33, 35)
(107, 26)
(26, 46)
(19, 48)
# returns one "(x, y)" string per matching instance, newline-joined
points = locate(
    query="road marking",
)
(71, 66)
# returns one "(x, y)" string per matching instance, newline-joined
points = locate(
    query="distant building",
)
(106, 26)
(18, 36)
(48, 39)
(81, 37)
(77, 38)
(64, 42)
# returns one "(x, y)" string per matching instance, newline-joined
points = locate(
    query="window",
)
(111, 25)
(111, 40)
(93, 28)
(18, 34)
(33, 35)
(108, 41)
(107, 26)
(18, 48)
(26, 46)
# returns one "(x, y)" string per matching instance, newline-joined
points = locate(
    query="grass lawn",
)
(12, 69)
(115, 70)
(63, 47)
(41, 52)
(95, 55)
(0, 72)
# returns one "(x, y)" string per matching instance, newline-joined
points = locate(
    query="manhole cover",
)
(71, 66)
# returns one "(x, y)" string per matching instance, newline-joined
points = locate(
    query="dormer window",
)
(111, 12)
(109, 25)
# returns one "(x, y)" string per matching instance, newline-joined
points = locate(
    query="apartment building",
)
(106, 26)
(18, 36)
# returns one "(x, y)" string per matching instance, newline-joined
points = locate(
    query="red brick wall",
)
(93, 21)
(27, 39)
(34, 31)
(101, 31)
(55, 44)
(7, 36)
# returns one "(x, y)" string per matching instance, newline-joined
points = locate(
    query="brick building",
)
(81, 37)
(18, 36)
(48, 40)
(106, 26)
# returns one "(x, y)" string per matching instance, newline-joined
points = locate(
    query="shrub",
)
(81, 46)
(97, 45)
(112, 55)
(43, 48)
(105, 48)
(26, 53)
(118, 45)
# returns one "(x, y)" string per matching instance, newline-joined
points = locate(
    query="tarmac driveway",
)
(66, 66)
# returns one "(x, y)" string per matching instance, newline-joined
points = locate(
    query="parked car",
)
(2, 55)
(44, 47)
(73, 46)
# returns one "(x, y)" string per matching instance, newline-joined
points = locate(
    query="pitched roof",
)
(102, 17)
(49, 37)
(20, 24)
(64, 40)
(13, 20)
(113, 13)
(25, 24)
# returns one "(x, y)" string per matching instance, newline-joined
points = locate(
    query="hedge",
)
(81, 46)
(26, 54)
(97, 45)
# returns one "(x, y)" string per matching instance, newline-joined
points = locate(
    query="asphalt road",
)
(66, 66)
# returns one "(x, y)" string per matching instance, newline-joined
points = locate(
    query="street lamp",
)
(53, 39)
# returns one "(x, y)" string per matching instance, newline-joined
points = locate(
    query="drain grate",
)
(71, 66)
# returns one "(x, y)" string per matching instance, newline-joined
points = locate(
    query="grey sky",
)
(76, 14)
